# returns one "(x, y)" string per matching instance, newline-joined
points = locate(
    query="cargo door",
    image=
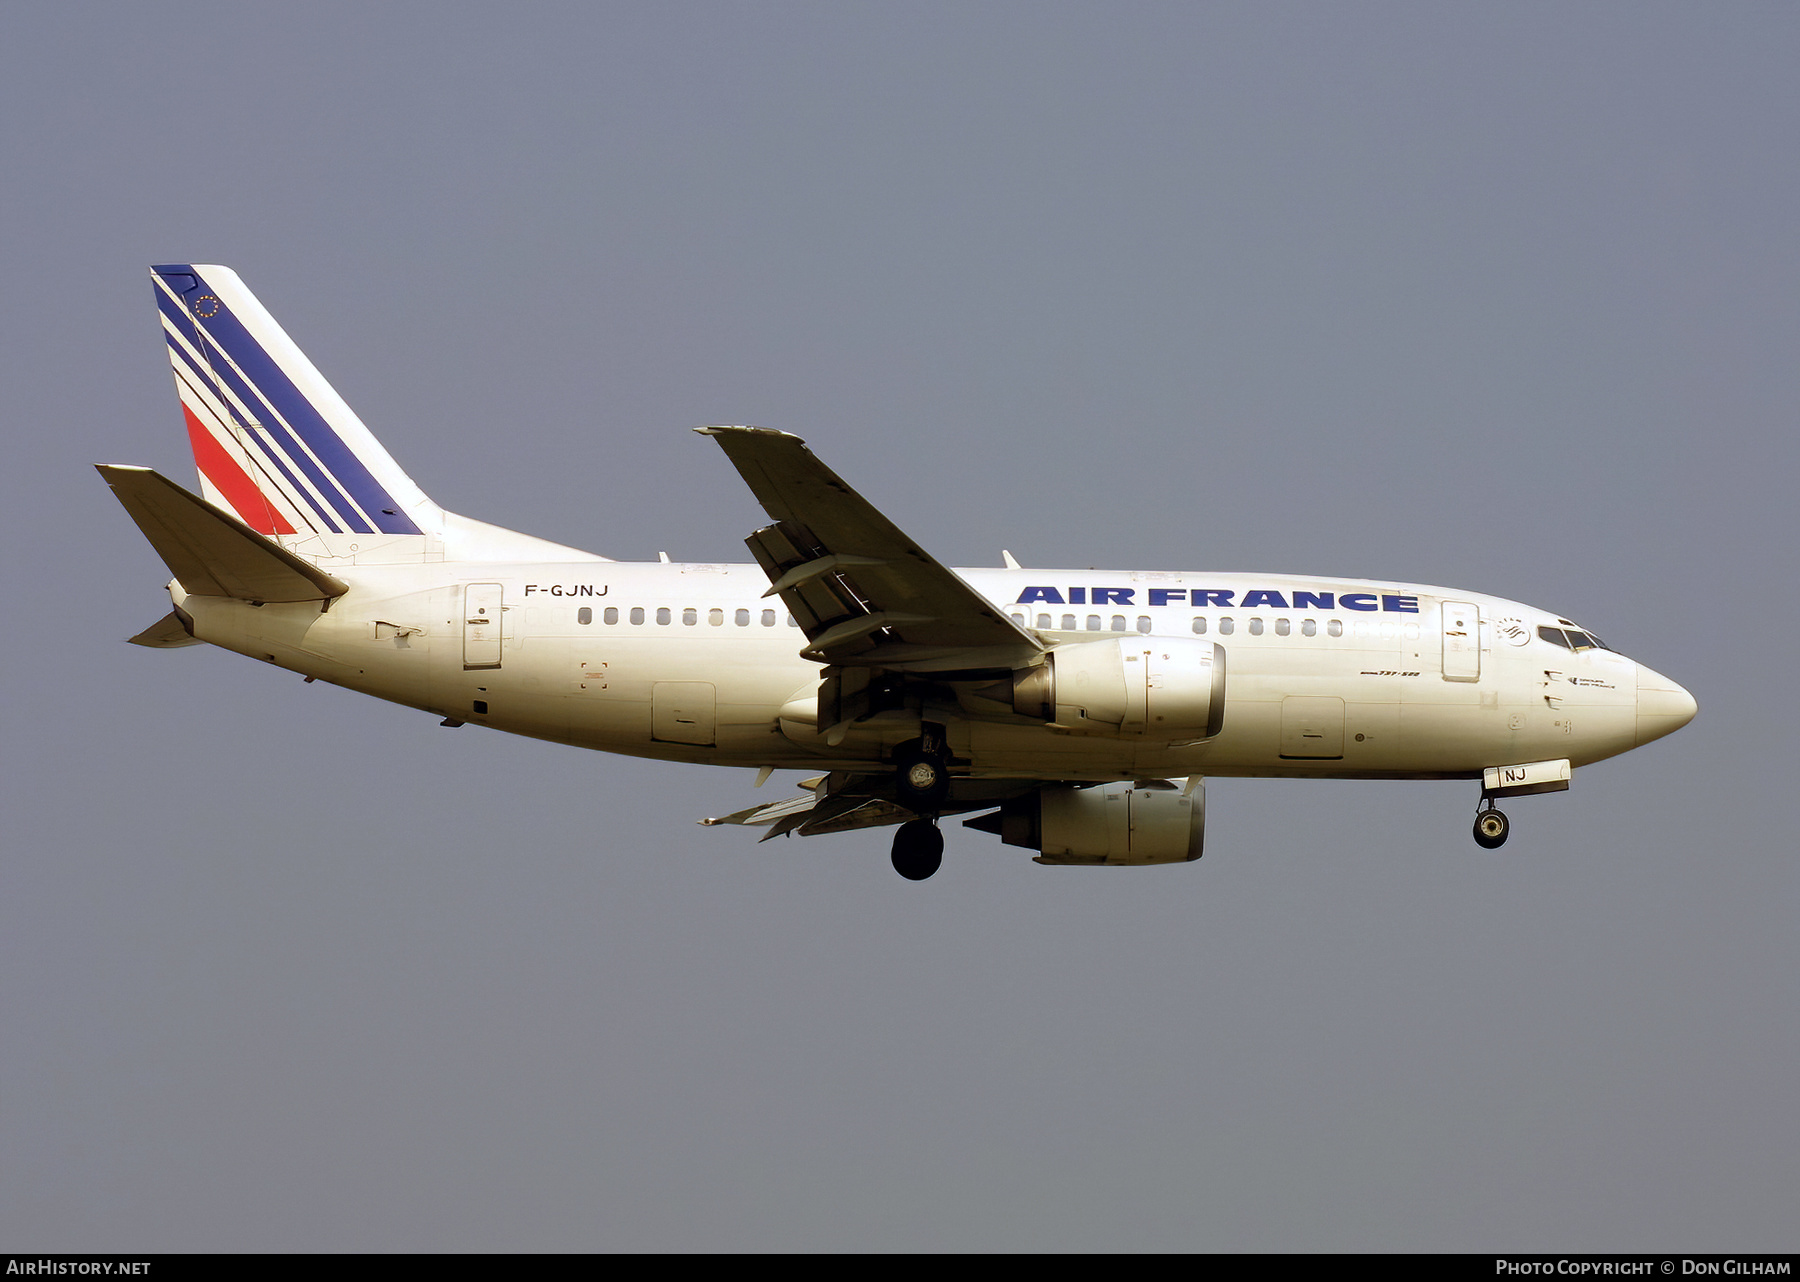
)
(1312, 727)
(1462, 641)
(683, 712)
(482, 609)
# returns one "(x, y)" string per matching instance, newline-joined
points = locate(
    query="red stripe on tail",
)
(253, 508)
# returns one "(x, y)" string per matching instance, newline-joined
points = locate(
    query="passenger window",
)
(662, 614)
(1199, 626)
(1225, 627)
(584, 615)
(637, 614)
(1309, 628)
(1018, 619)
(793, 622)
(1068, 623)
(1554, 637)
(1093, 623)
(690, 616)
(716, 618)
(1256, 627)
(768, 618)
(1144, 624)
(1043, 621)
(611, 615)
(1282, 627)
(1118, 623)
(741, 618)
(1335, 627)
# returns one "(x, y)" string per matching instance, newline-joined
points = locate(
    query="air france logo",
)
(1221, 598)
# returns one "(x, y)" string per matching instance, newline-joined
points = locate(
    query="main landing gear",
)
(922, 772)
(1491, 827)
(922, 785)
(918, 849)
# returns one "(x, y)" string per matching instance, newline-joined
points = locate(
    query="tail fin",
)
(277, 447)
(273, 442)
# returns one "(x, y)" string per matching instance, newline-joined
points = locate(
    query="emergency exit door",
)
(482, 610)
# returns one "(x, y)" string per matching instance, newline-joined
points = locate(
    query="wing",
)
(865, 594)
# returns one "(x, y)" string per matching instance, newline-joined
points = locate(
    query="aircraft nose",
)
(1662, 706)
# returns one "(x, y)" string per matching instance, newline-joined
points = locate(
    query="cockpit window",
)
(1573, 639)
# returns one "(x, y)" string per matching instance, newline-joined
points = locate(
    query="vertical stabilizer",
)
(279, 449)
(274, 443)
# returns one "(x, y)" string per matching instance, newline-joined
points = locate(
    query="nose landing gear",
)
(1491, 827)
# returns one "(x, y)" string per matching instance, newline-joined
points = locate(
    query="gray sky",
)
(1500, 297)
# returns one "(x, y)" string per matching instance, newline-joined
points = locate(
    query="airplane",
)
(1072, 713)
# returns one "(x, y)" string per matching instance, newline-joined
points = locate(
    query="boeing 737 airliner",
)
(1079, 710)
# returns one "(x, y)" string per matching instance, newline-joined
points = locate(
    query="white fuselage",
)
(691, 662)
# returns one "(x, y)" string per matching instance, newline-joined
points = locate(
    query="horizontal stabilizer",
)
(211, 553)
(167, 633)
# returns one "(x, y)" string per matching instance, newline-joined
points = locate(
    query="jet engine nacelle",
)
(1168, 689)
(1114, 824)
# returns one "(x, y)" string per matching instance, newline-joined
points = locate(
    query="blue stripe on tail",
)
(213, 320)
(222, 379)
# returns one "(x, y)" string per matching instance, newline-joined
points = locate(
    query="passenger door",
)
(1462, 641)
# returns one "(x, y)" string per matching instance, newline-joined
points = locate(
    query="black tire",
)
(918, 849)
(1491, 829)
(921, 782)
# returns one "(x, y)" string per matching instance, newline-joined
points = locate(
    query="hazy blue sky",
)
(1495, 296)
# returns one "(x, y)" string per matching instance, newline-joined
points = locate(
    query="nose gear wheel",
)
(1491, 829)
